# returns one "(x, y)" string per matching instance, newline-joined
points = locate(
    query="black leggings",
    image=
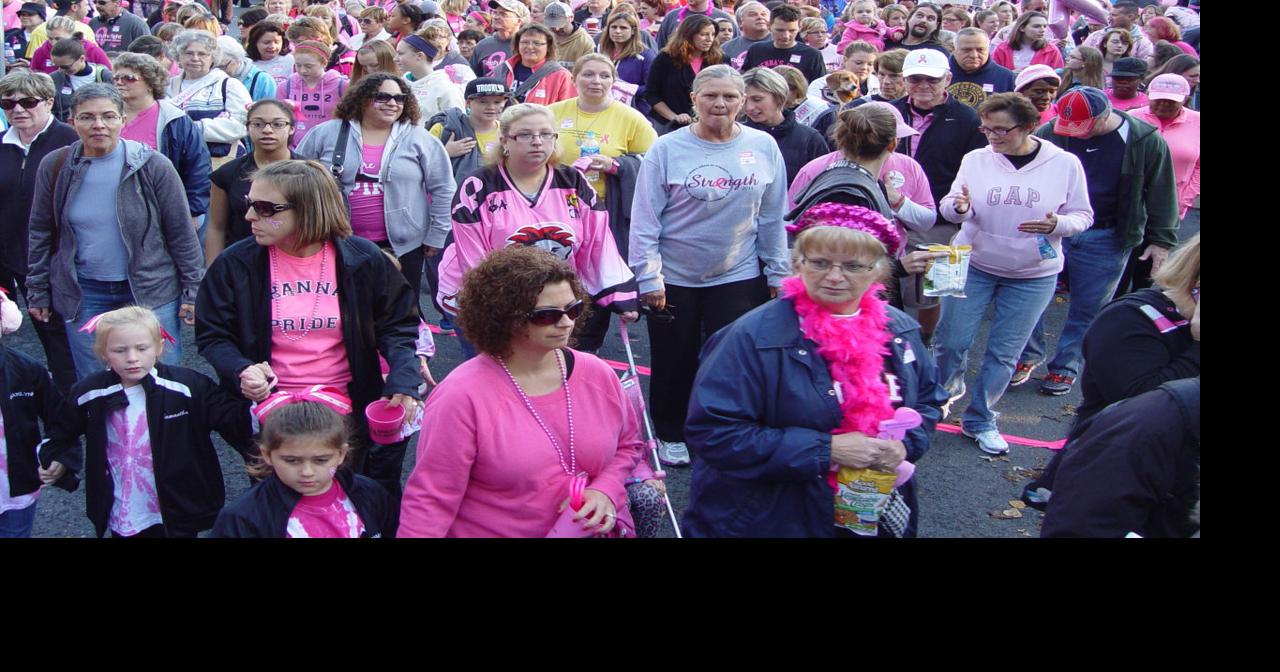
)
(52, 335)
(674, 346)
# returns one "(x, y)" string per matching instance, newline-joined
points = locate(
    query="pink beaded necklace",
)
(315, 307)
(572, 467)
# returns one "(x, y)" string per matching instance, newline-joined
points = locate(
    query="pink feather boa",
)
(854, 349)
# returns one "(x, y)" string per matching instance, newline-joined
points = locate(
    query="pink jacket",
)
(487, 468)
(1049, 56)
(1002, 197)
(899, 170)
(41, 61)
(853, 31)
(1183, 137)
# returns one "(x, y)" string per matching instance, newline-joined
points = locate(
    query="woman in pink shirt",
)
(1180, 128)
(530, 421)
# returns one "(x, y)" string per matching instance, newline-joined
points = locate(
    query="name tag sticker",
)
(747, 158)
(988, 88)
(540, 93)
(66, 90)
(795, 58)
(908, 355)
(567, 123)
(115, 29)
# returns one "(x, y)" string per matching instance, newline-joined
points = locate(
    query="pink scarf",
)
(854, 349)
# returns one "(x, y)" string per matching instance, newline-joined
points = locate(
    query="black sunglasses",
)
(267, 208)
(384, 98)
(26, 103)
(545, 317)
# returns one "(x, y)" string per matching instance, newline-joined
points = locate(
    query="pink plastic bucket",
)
(384, 422)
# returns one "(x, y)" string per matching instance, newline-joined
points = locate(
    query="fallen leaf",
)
(1017, 504)
(1007, 514)
(1069, 409)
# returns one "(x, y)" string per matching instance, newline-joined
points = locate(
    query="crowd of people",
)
(770, 186)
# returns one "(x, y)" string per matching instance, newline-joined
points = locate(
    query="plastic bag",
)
(947, 276)
(861, 496)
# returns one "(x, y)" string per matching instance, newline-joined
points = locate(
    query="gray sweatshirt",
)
(707, 213)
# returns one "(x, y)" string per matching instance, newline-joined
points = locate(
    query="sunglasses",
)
(125, 79)
(545, 317)
(267, 208)
(384, 98)
(26, 103)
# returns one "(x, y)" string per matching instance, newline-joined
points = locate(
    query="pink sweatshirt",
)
(873, 35)
(1049, 55)
(1003, 197)
(1183, 137)
(489, 469)
(900, 171)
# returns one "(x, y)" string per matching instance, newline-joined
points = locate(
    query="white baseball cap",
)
(927, 62)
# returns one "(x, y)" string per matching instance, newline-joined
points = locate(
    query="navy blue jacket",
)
(263, 511)
(972, 88)
(760, 420)
(952, 134)
(27, 398)
(182, 142)
(799, 144)
(18, 187)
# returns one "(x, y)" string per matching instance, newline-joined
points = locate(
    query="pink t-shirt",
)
(306, 323)
(1138, 100)
(136, 506)
(696, 64)
(142, 128)
(328, 515)
(8, 503)
(368, 219)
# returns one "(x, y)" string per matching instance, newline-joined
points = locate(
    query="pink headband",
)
(853, 217)
(92, 325)
(320, 394)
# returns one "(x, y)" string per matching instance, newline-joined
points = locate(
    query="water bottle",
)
(9, 55)
(587, 148)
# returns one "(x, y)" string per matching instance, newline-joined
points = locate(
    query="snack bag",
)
(947, 276)
(861, 496)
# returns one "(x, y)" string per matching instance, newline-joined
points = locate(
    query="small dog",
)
(842, 87)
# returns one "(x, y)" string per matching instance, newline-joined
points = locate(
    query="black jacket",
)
(1134, 467)
(18, 188)
(27, 397)
(183, 407)
(799, 144)
(263, 511)
(379, 315)
(952, 134)
(669, 83)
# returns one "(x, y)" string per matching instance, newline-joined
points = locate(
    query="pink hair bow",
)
(92, 325)
(320, 394)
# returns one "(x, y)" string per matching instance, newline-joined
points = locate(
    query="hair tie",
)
(422, 45)
(92, 326)
(319, 394)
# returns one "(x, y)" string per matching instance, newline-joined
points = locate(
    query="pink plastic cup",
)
(384, 422)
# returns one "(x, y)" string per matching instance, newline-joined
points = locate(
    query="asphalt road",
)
(959, 486)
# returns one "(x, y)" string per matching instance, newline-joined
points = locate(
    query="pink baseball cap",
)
(1169, 86)
(904, 131)
(1035, 73)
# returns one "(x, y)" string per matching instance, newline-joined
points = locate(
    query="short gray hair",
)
(720, 71)
(741, 12)
(770, 82)
(972, 32)
(204, 37)
(27, 83)
(90, 92)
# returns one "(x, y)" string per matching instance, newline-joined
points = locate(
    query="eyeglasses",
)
(125, 79)
(275, 125)
(528, 136)
(26, 103)
(996, 132)
(267, 208)
(922, 79)
(524, 43)
(545, 317)
(385, 98)
(108, 118)
(825, 265)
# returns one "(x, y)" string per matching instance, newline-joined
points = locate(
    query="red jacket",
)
(1049, 55)
(553, 88)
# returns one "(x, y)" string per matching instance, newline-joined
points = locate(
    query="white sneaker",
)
(989, 441)
(673, 454)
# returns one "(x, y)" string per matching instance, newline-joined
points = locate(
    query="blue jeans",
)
(17, 524)
(1018, 303)
(1095, 262)
(97, 297)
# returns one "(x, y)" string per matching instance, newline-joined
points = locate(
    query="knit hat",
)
(853, 217)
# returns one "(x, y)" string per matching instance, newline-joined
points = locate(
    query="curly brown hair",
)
(352, 105)
(498, 294)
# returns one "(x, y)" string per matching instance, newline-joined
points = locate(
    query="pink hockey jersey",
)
(313, 106)
(567, 220)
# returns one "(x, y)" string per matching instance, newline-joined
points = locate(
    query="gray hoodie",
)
(165, 261)
(414, 167)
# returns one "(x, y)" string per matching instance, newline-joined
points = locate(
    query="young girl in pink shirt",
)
(313, 90)
(306, 491)
(861, 23)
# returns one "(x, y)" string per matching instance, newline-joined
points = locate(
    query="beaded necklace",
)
(315, 307)
(572, 467)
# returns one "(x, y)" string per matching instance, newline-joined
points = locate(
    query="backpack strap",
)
(340, 152)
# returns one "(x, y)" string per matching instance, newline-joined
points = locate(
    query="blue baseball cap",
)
(1080, 110)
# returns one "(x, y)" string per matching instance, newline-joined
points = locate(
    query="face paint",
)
(275, 224)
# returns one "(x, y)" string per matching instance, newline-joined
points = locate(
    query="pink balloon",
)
(1060, 14)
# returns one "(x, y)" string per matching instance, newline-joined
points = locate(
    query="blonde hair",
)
(306, 28)
(136, 316)
(319, 210)
(584, 59)
(1182, 270)
(839, 240)
(454, 7)
(509, 117)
